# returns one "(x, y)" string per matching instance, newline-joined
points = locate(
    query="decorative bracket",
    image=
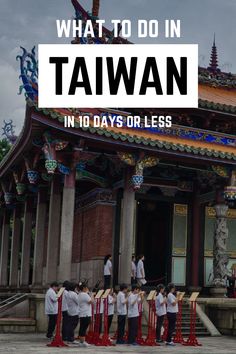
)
(139, 162)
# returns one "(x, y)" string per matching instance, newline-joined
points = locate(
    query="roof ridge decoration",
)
(29, 74)
(29, 63)
(108, 35)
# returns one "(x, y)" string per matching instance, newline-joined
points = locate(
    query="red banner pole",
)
(57, 340)
(90, 334)
(192, 339)
(140, 339)
(105, 340)
(96, 337)
(178, 335)
(151, 336)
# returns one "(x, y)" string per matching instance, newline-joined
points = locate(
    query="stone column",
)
(127, 230)
(4, 249)
(220, 257)
(67, 227)
(26, 243)
(15, 247)
(41, 217)
(54, 224)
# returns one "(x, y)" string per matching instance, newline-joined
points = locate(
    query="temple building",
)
(69, 196)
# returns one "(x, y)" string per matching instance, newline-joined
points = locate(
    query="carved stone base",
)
(218, 292)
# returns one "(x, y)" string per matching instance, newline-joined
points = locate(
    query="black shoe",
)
(120, 342)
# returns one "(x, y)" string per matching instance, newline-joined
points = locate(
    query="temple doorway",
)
(153, 239)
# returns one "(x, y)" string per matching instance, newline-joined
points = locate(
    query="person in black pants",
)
(160, 304)
(65, 316)
(133, 313)
(172, 310)
(51, 308)
(73, 311)
(121, 312)
(52, 321)
(121, 329)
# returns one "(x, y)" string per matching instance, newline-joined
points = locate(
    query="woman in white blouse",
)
(107, 271)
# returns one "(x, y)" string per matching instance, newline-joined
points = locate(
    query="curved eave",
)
(111, 136)
(20, 145)
(116, 140)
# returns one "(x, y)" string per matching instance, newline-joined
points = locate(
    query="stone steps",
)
(17, 325)
(12, 301)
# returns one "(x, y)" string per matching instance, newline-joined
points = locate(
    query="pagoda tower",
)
(213, 65)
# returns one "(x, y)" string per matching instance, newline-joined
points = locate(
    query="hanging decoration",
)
(50, 147)
(32, 173)
(140, 162)
(20, 186)
(230, 191)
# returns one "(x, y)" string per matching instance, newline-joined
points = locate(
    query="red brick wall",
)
(93, 229)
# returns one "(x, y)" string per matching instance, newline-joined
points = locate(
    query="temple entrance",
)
(154, 239)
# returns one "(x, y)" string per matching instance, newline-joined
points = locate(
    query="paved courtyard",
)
(36, 343)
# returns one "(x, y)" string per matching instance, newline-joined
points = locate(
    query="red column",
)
(195, 244)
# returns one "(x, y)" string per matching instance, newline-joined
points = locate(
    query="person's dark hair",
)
(66, 284)
(170, 286)
(140, 256)
(123, 287)
(54, 284)
(71, 286)
(135, 287)
(133, 256)
(106, 258)
(160, 287)
(82, 286)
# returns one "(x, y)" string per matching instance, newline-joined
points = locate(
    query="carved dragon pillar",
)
(220, 257)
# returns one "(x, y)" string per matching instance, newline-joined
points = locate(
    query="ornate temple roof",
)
(185, 140)
(217, 97)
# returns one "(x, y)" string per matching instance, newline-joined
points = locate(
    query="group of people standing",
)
(166, 301)
(166, 304)
(137, 271)
(76, 308)
(77, 303)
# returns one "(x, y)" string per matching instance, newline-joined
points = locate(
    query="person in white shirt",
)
(107, 272)
(121, 313)
(160, 304)
(140, 271)
(51, 308)
(73, 311)
(133, 313)
(133, 270)
(64, 311)
(111, 307)
(85, 313)
(172, 310)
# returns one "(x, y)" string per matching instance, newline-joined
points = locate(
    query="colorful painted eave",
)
(140, 138)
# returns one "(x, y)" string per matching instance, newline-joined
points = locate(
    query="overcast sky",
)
(27, 23)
